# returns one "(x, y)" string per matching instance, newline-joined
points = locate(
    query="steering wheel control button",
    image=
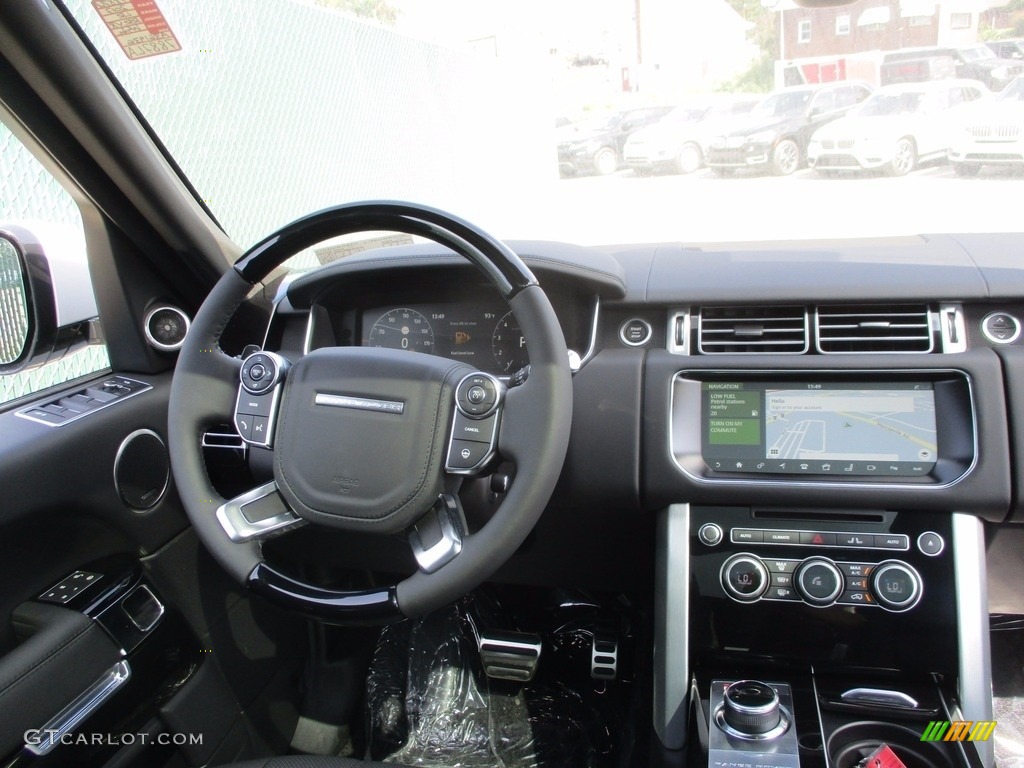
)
(710, 534)
(896, 585)
(262, 371)
(467, 454)
(478, 395)
(1001, 328)
(254, 405)
(635, 332)
(477, 430)
(243, 422)
(930, 544)
(744, 578)
(819, 581)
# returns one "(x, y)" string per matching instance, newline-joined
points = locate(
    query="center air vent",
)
(861, 329)
(753, 330)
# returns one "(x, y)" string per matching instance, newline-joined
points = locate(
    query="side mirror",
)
(33, 329)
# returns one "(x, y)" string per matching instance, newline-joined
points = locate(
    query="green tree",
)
(764, 33)
(378, 10)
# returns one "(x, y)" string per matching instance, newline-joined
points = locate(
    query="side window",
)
(824, 102)
(846, 97)
(32, 198)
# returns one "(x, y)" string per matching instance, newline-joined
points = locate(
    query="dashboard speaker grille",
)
(753, 330)
(861, 329)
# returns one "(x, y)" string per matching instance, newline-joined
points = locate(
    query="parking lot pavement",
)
(700, 207)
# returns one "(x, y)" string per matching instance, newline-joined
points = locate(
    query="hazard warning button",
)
(818, 538)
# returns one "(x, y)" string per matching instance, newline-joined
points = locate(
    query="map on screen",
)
(851, 424)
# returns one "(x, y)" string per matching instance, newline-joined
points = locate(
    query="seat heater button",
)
(464, 454)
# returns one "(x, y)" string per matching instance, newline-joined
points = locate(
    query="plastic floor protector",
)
(429, 703)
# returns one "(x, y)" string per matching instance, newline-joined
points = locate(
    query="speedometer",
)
(402, 328)
(508, 345)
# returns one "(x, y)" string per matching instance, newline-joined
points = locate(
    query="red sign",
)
(139, 26)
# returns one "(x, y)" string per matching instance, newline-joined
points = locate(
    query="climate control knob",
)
(896, 585)
(819, 581)
(744, 577)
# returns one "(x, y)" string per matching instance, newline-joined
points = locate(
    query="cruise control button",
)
(476, 395)
(465, 454)
(477, 430)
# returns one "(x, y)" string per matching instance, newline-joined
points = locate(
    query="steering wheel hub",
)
(361, 436)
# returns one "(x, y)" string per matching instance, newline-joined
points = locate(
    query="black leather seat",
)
(310, 761)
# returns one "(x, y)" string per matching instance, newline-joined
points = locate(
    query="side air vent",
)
(862, 329)
(753, 330)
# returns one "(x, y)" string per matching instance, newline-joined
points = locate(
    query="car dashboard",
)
(806, 434)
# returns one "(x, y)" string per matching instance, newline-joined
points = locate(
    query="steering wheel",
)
(370, 439)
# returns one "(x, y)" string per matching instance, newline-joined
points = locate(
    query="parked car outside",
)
(596, 146)
(1007, 49)
(778, 130)
(678, 141)
(990, 133)
(973, 62)
(894, 129)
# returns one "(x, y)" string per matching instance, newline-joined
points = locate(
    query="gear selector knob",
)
(751, 707)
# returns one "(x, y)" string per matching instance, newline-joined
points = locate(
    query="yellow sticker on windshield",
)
(139, 27)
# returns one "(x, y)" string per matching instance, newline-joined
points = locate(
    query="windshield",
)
(977, 53)
(277, 108)
(885, 104)
(789, 104)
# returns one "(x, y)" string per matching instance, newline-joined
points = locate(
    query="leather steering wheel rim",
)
(534, 430)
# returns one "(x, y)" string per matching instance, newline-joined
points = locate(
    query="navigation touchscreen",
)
(883, 429)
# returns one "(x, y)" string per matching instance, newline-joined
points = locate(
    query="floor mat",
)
(1007, 639)
(429, 703)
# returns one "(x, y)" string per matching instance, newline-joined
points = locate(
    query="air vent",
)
(753, 330)
(863, 329)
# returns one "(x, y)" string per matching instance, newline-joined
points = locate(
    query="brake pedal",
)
(604, 657)
(510, 655)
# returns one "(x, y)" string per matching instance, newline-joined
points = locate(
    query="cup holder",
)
(848, 745)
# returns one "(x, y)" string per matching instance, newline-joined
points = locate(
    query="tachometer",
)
(402, 328)
(509, 345)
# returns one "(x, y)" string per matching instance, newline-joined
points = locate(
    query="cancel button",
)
(477, 430)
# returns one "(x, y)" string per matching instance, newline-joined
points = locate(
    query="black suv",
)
(778, 130)
(596, 147)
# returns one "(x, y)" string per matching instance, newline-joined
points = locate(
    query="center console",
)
(811, 608)
(853, 625)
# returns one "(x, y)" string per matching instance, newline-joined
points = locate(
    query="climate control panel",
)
(819, 581)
